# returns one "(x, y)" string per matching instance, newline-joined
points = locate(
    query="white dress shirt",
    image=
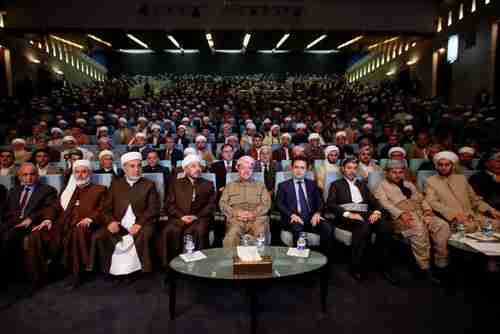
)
(355, 193)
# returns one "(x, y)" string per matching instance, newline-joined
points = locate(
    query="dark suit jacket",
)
(270, 176)
(119, 172)
(340, 193)
(286, 199)
(143, 197)
(175, 156)
(280, 154)
(159, 169)
(42, 205)
(484, 186)
(179, 200)
(219, 169)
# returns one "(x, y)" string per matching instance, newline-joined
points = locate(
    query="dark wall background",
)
(225, 63)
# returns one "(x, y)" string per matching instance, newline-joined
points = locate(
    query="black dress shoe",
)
(389, 277)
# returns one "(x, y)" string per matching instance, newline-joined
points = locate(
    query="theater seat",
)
(157, 178)
(7, 181)
(209, 177)
(102, 179)
(167, 164)
(374, 179)
(422, 177)
(284, 176)
(56, 181)
(257, 176)
(330, 177)
(285, 164)
(415, 164)
(287, 238)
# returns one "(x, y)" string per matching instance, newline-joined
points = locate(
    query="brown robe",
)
(145, 202)
(22, 246)
(180, 203)
(86, 202)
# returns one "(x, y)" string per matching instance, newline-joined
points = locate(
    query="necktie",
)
(24, 199)
(304, 206)
(228, 166)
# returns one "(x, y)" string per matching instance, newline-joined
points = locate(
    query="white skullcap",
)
(397, 149)
(140, 134)
(201, 138)
(189, 150)
(19, 141)
(106, 153)
(246, 159)
(467, 149)
(340, 134)
(251, 126)
(248, 121)
(99, 117)
(69, 138)
(313, 136)
(370, 119)
(185, 119)
(300, 126)
(155, 127)
(288, 118)
(408, 117)
(447, 155)
(103, 128)
(277, 109)
(287, 135)
(331, 148)
(267, 120)
(62, 121)
(190, 159)
(122, 120)
(367, 126)
(182, 127)
(43, 123)
(129, 156)
(365, 116)
(275, 126)
(56, 130)
(408, 128)
(81, 120)
(144, 119)
(82, 163)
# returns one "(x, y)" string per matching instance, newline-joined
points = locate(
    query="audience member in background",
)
(7, 163)
(203, 150)
(27, 238)
(139, 144)
(70, 143)
(104, 144)
(82, 203)
(41, 161)
(318, 128)
(330, 165)
(21, 154)
(465, 156)
(106, 160)
(76, 131)
(56, 137)
(300, 203)
(392, 142)
(341, 143)
(245, 203)
(486, 183)
(156, 138)
(220, 168)
(420, 149)
(431, 152)
(366, 164)
(367, 132)
(181, 139)
(131, 209)
(170, 152)
(3, 201)
(268, 167)
(153, 166)
(43, 143)
(70, 158)
(300, 136)
(273, 137)
(412, 217)
(357, 210)
(254, 151)
(123, 134)
(386, 132)
(408, 138)
(246, 141)
(312, 149)
(451, 196)
(190, 203)
(399, 153)
(284, 152)
(233, 141)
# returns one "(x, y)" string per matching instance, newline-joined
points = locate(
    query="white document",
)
(195, 256)
(248, 253)
(297, 253)
(488, 248)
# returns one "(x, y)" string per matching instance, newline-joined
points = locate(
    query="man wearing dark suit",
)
(170, 152)
(285, 151)
(27, 236)
(106, 160)
(190, 204)
(268, 167)
(300, 203)
(357, 210)
(222, 167)
(154, 166)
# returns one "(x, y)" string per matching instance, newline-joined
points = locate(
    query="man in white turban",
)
(453, 198)
(465, 159)
(83, 213)
(313, 148)
(190, 204)
(203, 149)
(132, 207)
(273, 136)
(329, 165)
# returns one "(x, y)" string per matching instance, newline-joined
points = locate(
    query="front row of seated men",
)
(112, 230)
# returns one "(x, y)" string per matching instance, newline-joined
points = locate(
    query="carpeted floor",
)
(292, 307)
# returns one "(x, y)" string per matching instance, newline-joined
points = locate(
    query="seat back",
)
(285, 164)
(209, 177)
(102, 179)
(56, 181)
(374, 179)
(330, 177)
(167, 164)
(284, 176)
(422, 177)
(318, 164)
(157, 178)
(415, 164)
(257, 176)
(8, 181)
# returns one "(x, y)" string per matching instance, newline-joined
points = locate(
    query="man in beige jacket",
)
(413, 218)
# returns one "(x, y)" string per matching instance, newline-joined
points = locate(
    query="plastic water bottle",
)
(188, 244)
(246, 240)
(460, 230)
(261, 238)
(488, 228)
(301, 242)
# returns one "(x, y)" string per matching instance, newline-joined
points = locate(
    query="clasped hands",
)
(373, 218)
(246, 216)
(188, 219)
(114, 227)
(296, 219)
(27, 222)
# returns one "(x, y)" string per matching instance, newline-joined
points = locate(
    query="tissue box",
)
(259, 268)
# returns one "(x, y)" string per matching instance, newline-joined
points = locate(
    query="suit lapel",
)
(293, 194)
(347, 191)
(32, 200)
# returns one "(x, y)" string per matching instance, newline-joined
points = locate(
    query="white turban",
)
(19, 141)
(287, 135)
(62, 121)
(447, 155)
(82, 163)
(331, 148)
(313, 136)
(96, 117)
(251, 126)
(81, 120)
(103, 128)
(408, 128)
(467, 149)
(367, 126)
(397, 149)
(140, 134)
(69, 139)
(190, 159)
(71, 186)
(185, 119)
(189, 150)
(275, 126)
(122, 120)
(300, 126)
(56, 130)
(129, 156)
(182, 127)
(201, 138)
(340, 134)
(106, 153)
(143, 119)
(267, 120)
(155, 127)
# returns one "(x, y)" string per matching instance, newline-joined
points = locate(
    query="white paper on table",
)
(248, 253)
(298, 253)
(195, 256)
(488, 248)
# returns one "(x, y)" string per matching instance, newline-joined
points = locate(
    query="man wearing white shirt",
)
(357, 210)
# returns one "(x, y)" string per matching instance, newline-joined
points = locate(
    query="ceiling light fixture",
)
(138, 41)
(60, 39)
(97, 39)
(316, 41)
(246, 40)
(210, 40)
(352, 41)
(282, 40)
(174, 41)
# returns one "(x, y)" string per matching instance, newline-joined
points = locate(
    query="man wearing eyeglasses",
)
(27, 235)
